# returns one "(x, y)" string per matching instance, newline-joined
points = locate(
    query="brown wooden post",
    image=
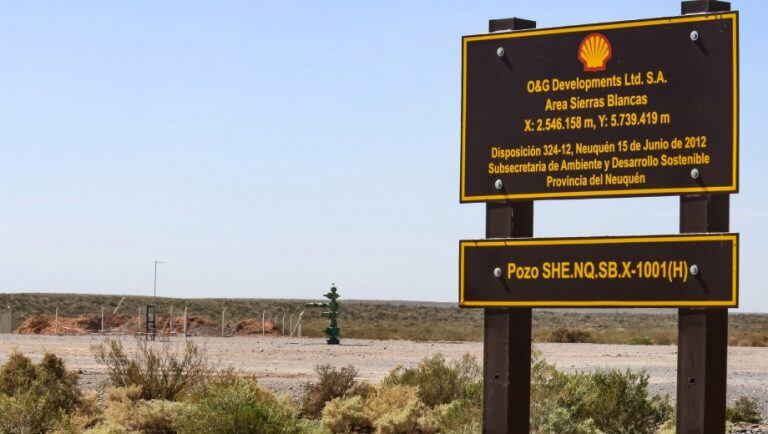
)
(702, 358)
(507, 332)
(507, 338)
(702, 335)
(702, 353)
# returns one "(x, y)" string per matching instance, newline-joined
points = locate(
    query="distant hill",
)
(383, 319)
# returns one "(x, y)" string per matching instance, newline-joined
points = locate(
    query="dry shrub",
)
(87, 415)
(233, 405)
(641, 340)
(609, 401)
(390, 409)
(749, 339)
(332, 383)
(396, 409)
(569, 336)
(743, 410)
(346, 415)
(460, 416)
(161, 370)
(36, 397)
(441, 382)
(560, 420)
(126, 410)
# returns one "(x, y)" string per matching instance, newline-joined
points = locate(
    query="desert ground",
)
(283, 364)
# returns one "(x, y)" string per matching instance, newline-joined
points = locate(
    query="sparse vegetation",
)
(569, 336)
(127, 411)
(390, 320)
(641, 340)
(602, 401)
(332, 383)
(443, 396)
(232, 404)
(440, 382)
(437, 396)
(160, 371)
(743, 410)
(165, 392)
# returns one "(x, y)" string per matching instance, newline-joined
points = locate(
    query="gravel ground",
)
(283, 364)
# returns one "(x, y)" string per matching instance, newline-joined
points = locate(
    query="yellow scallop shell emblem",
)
(595, 52)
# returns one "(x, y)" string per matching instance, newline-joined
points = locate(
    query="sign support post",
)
(507, 332)
(702, 341)
(507, 337)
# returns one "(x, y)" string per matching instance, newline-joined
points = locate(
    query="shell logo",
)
(594, 52)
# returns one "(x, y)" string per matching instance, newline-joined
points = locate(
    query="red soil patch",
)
(252, 326)
(83, 324)
(119, 324)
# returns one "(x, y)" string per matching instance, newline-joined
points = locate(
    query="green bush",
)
(439, 382)
(610, 401)
(641, 340)
(159, 369)
(743, 410)
(459, 417)
(36, 397)
(570, 336)
(332, 383)
(561, 420)
(233, 405)
(620, 403)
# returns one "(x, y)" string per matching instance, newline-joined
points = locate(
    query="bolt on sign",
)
(643, 271)
(631, 108)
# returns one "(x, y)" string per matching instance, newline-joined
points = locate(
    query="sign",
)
(652, 271)
(618, 109)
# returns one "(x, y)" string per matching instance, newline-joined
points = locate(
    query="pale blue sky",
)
(268, 149)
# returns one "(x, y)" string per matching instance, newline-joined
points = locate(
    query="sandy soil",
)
(283, 364)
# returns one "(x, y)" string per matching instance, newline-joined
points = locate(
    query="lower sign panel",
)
(649, 271)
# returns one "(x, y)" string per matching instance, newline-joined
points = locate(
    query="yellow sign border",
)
(595, 27)
(733, 238)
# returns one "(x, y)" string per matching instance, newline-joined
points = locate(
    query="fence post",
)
(57, 321)
(300, 315)
(222, 321)
(263, 323)
(102, 320)
(185, 321)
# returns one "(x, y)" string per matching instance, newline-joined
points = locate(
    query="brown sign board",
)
(699, 270)
(631, 108)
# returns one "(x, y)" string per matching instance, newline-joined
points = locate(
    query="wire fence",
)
(178, 322)
(6, 324)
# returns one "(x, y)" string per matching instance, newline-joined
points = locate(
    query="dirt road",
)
(283, 364)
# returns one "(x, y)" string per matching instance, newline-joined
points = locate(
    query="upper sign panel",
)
(618, 109)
